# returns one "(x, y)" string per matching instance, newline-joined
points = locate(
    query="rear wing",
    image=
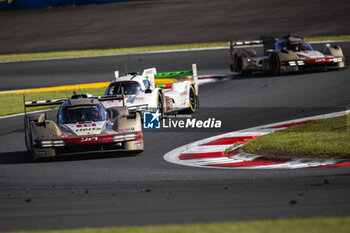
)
(165, 80)
(43, 103)
(267, 42)
(132, 109)
(61, 101)
(135, 108)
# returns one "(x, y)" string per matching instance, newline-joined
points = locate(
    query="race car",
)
(288, 54)
(163, 92)
(83, 126)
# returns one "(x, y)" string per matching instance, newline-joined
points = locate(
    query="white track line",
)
(195, 147)
(22, 114)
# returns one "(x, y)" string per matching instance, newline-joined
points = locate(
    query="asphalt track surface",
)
(159, 22)
(123, 190)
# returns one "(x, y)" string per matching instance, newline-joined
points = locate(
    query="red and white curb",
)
(210, 152)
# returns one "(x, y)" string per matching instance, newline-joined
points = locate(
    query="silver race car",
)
(288, 54)
(83, 126)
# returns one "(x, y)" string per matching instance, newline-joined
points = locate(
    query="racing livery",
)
(288, 54)
(174, 91)
(83, 126)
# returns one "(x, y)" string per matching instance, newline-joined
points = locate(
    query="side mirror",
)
(148, 91)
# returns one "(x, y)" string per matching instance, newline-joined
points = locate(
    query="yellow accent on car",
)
(81, 86)
(192, 108)
(59, 88)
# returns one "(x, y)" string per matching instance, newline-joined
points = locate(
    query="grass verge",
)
(326, 138)
(312, 225)
(99, 52)
(228, 149)
(13, 103)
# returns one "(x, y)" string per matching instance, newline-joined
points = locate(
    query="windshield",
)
(130, 88)
(300, 46)
(295, 46)
(81, 113)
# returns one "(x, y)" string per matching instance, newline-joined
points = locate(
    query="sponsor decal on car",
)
(85, 125)
(137, 144)
(110, 132)
(311, 54)
(127, 129)
(65, 135)
(87, 129)
(89, 139)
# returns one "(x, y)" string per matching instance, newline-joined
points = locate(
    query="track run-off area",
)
(122, 190)
(213, 152)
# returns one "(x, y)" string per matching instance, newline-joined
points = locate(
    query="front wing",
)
(52, 147)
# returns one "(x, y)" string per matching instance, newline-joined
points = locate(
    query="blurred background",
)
(61, 25)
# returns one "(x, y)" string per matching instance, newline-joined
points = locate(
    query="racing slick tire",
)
(160, 103)
(238, 64)
(275, 63)
(27, 136)
(232, 68)
(193, 100)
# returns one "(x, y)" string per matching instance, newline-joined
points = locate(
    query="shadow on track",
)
(22, 157)
(269, 75)
(17, 157)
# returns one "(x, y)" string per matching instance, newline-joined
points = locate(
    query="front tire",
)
(232, 68)
(193, 100)
(27, 136)
(238, 64)
(160, 103)
(275, 64)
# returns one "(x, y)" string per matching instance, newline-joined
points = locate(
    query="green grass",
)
(13, 103)
(327, 138)
(312, 225)
(99, 52)
(228, 149)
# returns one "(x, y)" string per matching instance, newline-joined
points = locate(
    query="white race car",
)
(165, 92)
(83, 125)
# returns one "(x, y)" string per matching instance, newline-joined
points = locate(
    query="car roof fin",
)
(116, 75)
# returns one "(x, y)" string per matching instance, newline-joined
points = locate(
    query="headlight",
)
(301, 63)
(125, 137)
(337, 59)
(118, 138)
(53, 143)
(292, 63)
